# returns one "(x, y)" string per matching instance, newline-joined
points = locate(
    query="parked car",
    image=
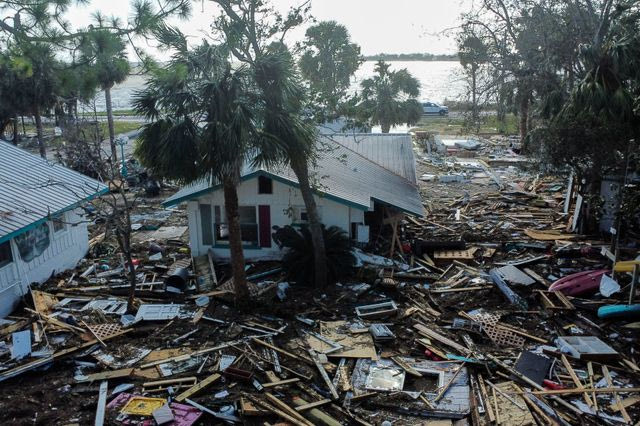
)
(431, 108)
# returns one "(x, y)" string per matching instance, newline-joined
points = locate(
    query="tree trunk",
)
(15, 130)
(474, 95)
(524, 116)
(235, 242)
(125, 246)
(112, 133)
(41, 146)
(300, 168)
(385, 127)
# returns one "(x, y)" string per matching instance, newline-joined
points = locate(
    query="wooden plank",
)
(425, 331)
(284, 407)
(102, 404)
(626, 403)
(623, 411)
(198, 387)
(311, 405)
(282, 351)
(575, 379)
(406, 367)
(105, 375)
(454, 290)
(574, 391)
(446, 387)
(274, 410)
(280, 383)
(323, 374)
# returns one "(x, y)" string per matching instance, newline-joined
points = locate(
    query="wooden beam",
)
(575, 379)
(623, 411)
(311, 405)
(198, 387)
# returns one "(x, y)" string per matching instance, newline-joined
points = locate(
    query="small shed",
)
(42, 229)
(358, 180)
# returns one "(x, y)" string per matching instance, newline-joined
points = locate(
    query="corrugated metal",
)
(342, 174)
(32, 188)
(394, 152)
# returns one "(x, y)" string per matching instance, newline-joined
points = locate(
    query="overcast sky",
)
(389, 26)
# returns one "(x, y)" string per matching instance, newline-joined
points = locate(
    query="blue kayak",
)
(624, 312)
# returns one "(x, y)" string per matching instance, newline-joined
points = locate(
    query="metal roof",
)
(340, 174)
(32, 189)
(393, 151)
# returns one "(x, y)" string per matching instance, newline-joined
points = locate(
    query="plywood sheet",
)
(355, 345)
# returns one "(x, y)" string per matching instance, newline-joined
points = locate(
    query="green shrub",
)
(298, 257)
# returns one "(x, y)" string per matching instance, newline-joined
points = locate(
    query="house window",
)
(300, 215)
(5, 254)
(206, 224)
(248, 227)
(58, 223)
(265, 185)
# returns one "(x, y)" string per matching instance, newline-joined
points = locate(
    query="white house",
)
(357, 177)
(42, 231)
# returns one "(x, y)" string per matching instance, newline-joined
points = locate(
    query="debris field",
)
(490, 309)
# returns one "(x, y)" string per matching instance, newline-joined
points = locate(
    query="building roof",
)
(341, 174)
(393, 151)
(33, 189)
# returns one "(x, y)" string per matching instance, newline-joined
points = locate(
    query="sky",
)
(378, 26)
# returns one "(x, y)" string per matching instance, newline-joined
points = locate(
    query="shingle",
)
(32, 188)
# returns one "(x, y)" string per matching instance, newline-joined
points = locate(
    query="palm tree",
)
(35, 66)
(106, 51)
(389, 98)
(203, 126)
(282, 101)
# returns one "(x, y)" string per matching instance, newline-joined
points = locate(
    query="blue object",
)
(626, 312)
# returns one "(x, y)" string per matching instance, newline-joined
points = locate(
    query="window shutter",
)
(264, 217)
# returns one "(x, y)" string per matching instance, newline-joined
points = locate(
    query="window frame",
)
(61, 220)
(220, 243)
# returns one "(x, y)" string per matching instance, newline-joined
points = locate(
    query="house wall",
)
(283, 198)
(64, 251)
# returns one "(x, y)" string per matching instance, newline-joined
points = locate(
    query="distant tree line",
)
(412, 57)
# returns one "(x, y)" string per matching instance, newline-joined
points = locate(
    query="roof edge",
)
(32, 225)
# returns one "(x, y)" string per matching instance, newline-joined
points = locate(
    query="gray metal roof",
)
(32, 189)
(393, 151)
(341, 174)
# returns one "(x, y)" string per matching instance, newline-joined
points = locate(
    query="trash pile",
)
(487, 310)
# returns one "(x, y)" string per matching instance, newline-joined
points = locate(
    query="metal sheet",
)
(20, 344)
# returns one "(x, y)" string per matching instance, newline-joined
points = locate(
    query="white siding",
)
(66, 249)
(281, 200)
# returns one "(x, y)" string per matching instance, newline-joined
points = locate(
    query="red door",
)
(264, 217)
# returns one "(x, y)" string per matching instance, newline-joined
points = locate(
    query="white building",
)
(42, 231)
(357, 177)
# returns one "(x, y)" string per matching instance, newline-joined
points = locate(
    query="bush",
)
(298, 257)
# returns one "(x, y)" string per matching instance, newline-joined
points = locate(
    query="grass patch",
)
(118, 126)
(118, 112)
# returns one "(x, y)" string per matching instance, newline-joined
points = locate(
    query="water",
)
(439, 80)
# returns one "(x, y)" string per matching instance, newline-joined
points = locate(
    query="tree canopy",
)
(389, 98)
